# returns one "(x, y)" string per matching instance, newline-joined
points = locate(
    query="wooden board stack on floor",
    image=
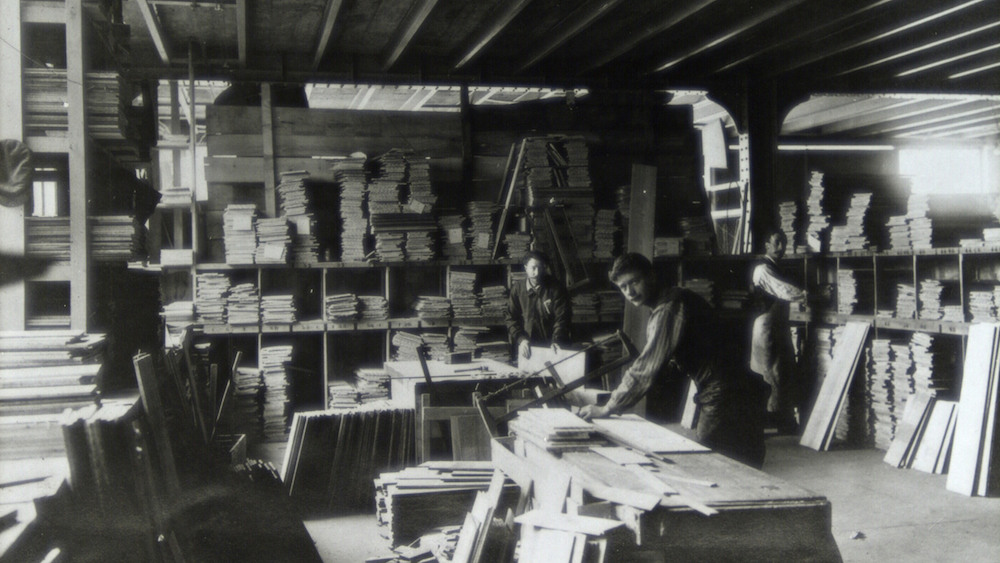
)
(411, 502)
(42, 373)
(333, 457)
(972, 469)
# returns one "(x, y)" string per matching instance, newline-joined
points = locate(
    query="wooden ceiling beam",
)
(975, 70)
(877, 123)
(948, 60)
(895, 30)
(499, 23)
(947, 116)
(326, 30)
(869, 109)
(920, 48)
(570, 27)
(984, 122)
(153, 25)
(807, 33)
(241, 31)
(675, 18)
(406, 31)
(743, 27)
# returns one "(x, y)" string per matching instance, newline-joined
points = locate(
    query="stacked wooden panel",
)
(332, 458)
(553, 429)
(822, 420)
(411, 502)
(972, 469)
(42, 373)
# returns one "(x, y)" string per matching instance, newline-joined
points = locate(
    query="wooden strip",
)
(79, 192)
(966, 448)
(838, 379)
(929, 449)
(941, 466)
(267, 148)
(903, 441)
(150, 392)
(568, 522)
(641, 434)
(989, 425)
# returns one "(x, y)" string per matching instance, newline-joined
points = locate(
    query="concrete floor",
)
(879, 513)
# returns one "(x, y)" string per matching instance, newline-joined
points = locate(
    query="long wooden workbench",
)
(688, 504)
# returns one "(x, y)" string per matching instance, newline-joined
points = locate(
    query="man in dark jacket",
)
(684, 336)
(538, 310)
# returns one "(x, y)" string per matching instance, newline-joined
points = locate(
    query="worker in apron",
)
(771, 353)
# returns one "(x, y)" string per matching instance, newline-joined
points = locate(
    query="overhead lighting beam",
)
(406, 32)
(921, 48)
(650, 32)
(153, 25)
(491, 32)
(829, 148)
(948, 60)
(576, 22)
(241, 31)
(739, 30)
(326, 30)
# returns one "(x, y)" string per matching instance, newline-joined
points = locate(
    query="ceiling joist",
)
(407, 31)
(632, 42)
(579, 20)
(743, 27)
(854, 42)
(241, 31)
(326, 30)
(153, 25)
(499, 23)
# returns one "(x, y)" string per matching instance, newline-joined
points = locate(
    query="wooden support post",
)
(76, 136)
(641, 232)
(12, 295)
(267, 127)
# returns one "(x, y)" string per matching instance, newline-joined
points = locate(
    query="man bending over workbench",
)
(685, 336)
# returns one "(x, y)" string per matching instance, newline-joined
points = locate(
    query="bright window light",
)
(945, 170)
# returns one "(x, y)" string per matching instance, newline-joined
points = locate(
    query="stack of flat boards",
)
(645, 436)
(42, 373)
(240, 233)
(480, 235)
(111, 237)
(350, 175)
(493, 300)
(210, 294)
(373, 308)
(972, 469)
(462, 292)
(453, 236)
(553, 429)
(411, 502)
(822, 421)
(332, 458)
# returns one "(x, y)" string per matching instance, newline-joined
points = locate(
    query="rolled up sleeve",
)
(663, 331)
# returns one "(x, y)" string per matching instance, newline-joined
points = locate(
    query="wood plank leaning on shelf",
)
(908, 433)
(152, 402)
(823, 418)
(972, 452)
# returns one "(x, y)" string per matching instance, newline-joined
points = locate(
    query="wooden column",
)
(762, 125)
(641, 230)
(76, 137)
(11, 127)
(267, 130)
